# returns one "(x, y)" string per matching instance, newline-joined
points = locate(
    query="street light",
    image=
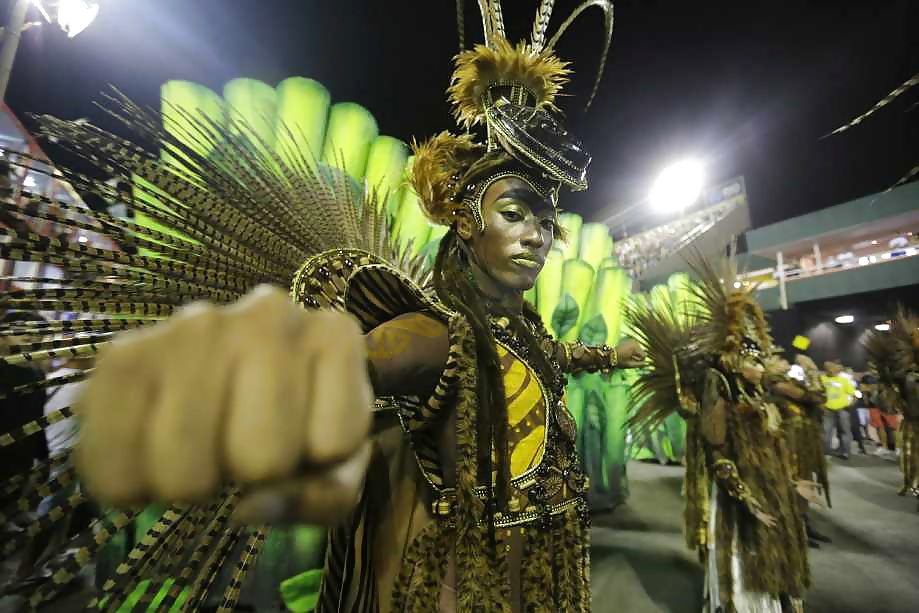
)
(845, 319)
(677, 187)
(73, 16)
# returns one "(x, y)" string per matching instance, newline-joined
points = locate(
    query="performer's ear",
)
(465, 225)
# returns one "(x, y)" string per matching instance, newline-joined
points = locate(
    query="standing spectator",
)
(858, 413)
(839, 390)
(17, 410)
(884, 418)
(61, 437)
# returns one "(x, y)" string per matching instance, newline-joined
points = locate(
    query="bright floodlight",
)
(677, 187)
(882, 327)
(73, 16)
(845, 319)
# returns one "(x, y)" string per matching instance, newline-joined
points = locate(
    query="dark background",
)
(750, 87)
(832, 341)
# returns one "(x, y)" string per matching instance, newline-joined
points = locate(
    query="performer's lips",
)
(527, 260)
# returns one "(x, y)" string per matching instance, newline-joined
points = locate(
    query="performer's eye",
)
(512, 215)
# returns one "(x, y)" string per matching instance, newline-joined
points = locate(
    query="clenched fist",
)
(263, 393)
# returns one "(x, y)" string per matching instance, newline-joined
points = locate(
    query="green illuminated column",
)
(611, 288)
(386, 168)
(595, 244)
(532, 297)
(184, 102)
(618, 400)
(549, 286)
(255, 103)
(350, 132)
(572, 224)
(300, 122)
(577, 278)
(680, 287)
(181, 104)
(593, 439)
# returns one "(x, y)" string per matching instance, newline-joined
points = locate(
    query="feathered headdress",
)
(511, 90)
(732, 322)
(485, 73)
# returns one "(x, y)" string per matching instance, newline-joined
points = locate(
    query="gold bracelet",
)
(567, 348)
(613, 358)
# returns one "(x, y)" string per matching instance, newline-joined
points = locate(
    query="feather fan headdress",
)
(732, 322)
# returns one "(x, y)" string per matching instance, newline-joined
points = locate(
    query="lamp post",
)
(11, 34)
(73, 16)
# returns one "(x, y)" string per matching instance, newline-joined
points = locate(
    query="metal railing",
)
(781, 274)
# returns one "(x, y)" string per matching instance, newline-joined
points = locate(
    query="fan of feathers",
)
(674, 367)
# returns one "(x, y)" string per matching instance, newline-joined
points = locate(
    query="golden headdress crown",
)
(511, 90)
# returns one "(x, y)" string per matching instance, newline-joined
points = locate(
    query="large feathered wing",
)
(207, 226)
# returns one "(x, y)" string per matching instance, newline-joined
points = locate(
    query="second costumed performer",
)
(742, 512)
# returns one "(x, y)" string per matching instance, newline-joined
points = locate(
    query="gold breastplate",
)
(546, 473)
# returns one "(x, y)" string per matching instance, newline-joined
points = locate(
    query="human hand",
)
(811, 492)
(631, 354)
(767, 520)
(261, 392)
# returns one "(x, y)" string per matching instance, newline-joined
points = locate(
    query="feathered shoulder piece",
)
(669, 384)
(483, 70)
(731, 322)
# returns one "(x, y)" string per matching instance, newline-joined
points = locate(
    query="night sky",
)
(749, 87)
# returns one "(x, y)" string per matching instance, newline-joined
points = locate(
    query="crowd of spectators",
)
(641, 252)
(852, 415)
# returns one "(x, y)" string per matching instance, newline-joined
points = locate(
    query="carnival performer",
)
(741, 511)
(460, 489)
(893, 359)
(801, 403)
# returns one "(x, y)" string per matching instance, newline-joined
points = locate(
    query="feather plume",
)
(726, 310)
(541, 24)
(607, 7)
(665, 386)
(542, 74)
(440, 163)
(893, 95)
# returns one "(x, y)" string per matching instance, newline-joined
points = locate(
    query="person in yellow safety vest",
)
(840, 390)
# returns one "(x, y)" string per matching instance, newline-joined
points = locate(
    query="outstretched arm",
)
(576, 358)
(262, 393)
(406, 355)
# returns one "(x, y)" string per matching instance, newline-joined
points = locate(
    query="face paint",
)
(518, 234)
